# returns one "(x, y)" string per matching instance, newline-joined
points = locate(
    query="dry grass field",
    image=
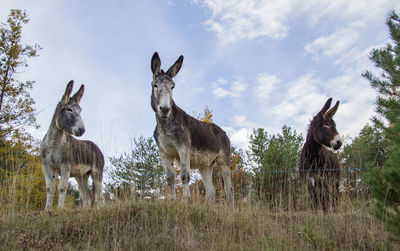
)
(166, 225)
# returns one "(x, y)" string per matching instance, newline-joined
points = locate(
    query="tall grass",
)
(166, 225)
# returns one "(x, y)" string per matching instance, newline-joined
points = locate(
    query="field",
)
(166, 225)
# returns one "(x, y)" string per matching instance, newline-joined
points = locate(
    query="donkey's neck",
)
(55, 134)
(313, 149)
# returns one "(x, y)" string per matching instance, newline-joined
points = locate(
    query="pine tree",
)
(138, 173)
(368, 149)
(385, 182)
(274, 157)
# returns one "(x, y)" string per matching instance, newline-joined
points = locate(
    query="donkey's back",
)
(207, 136)
(84, 155)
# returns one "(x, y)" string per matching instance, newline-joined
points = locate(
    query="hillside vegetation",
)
(165, 225)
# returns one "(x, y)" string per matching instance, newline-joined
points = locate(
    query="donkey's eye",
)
(172, 87)
(69, 110)
(155, 86)
(327, 126)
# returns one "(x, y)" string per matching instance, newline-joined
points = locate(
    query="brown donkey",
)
(319, 166)
(195, 144)
(63, 154)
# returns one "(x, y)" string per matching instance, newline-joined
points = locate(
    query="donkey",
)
(63, 154)
(319, 166)
(195, 144)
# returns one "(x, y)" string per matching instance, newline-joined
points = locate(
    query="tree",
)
(368, 149)
(16, 104)
(138, 173)
(259, 141)
(20, 169)
(275, 159)
(241, 178)
(384, 182)
(206, 116)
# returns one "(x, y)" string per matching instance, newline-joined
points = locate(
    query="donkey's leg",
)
(168, 164)
(98, 189)
(63, 185)
(226, 176)
(335, 194)
(184, 155)
(206, 177)
(312, 191)
(325, 194)
(83, 186)
(50, 186)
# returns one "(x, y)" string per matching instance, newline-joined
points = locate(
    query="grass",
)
(166, 225)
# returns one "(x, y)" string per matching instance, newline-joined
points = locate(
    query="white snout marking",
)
(164, 103)
(335, 140)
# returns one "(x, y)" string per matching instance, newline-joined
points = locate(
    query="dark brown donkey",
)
(63, 154)
(195, 144)
(319, 166)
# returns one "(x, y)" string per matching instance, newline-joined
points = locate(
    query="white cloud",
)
(242, 121)
(302, 99)
(265, 85)
(235, 20)
(333, 44)
(246, 20)
(222, 89)
(238, 137)
(238, 87)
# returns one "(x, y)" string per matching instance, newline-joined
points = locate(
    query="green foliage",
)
(22, 183)
(21, 178)
(310, 236)
(138, 173)
(274, 158)
(368, 149)
(385, 182)
(16, 104)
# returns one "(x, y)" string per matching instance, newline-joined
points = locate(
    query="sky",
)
(254, 63)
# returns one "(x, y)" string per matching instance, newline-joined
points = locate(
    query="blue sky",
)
(254, 63)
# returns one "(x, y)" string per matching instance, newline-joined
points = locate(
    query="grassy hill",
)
(164, 225)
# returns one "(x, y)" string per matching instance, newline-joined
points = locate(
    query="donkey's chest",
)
(168, 144)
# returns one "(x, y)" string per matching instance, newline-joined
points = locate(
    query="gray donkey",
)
(63, 154)
(195, 144)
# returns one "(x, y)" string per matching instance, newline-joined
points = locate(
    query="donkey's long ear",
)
(78, 95)
(155, 64)
(326, 107)
(332, 111)
(174, 69)
(68, 91)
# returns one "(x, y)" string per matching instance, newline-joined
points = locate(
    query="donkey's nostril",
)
(81, 131)
(164, 110)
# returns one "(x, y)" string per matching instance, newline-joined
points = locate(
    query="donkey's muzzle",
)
(337, 145)
(164, 111)
(79, 131)
(336, 142)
